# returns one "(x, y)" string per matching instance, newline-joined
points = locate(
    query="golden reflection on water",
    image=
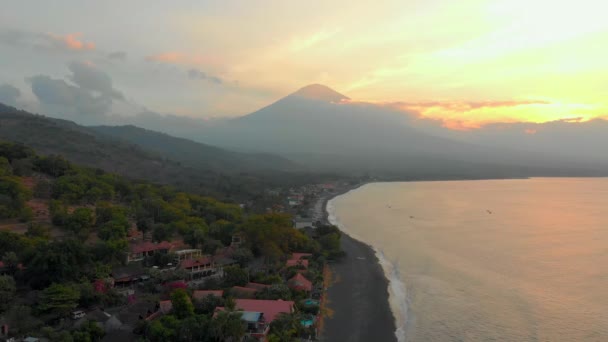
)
(505, 260)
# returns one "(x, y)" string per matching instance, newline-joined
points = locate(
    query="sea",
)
(488, 260)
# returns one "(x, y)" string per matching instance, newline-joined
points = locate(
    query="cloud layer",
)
(88, 98)
(9, 94)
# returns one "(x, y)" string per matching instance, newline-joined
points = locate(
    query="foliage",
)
(13, 196)
(207, 304)
(274, 292)
(59, 299)
(80, 222)
(227, 326)
(58, 261)
(21, 320)
(182, 306)
(242, 256)
(89, 332)
(7, 291)
(286, 327)
(235, 276)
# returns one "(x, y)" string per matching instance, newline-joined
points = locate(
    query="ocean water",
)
(498, 260)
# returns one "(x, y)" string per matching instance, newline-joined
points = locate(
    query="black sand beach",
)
(358, 298)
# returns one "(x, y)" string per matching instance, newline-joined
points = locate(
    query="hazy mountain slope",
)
(90, 148)
(193, 153)
(571, 140)
(316, 126)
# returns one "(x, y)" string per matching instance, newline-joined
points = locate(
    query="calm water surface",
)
(501, 260)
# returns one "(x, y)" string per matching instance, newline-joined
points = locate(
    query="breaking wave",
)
(398, 298)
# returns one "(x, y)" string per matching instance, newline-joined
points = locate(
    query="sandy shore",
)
(358, 296)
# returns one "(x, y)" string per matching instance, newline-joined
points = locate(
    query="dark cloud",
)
(88, 98)
(195, 74)
(90, 78)
(9, 94)
(63, 99)
(117, 55)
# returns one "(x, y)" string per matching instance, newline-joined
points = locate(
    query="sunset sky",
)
(466, 61)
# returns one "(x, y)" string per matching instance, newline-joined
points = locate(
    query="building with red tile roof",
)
(270, 308)
(165, 306)
(298, 256)
(300, 283)
(140, 250)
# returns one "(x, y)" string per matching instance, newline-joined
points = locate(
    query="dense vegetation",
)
(54, 266)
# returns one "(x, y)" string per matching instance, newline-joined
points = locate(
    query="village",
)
(189, 276)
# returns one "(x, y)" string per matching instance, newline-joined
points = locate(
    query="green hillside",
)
(228, 175)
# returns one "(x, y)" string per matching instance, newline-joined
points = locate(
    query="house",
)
(124, 276)
(6, 269)
(186, 254)
(200, 294)
(237, 240)
(200, 267)
(140, 250)
(165, 306)
(103, 319)
(302, 222)
(270, 308)
(256, 325)
(300, 283)
(258, 314)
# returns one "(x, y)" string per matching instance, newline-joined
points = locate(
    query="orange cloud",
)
(72, 41)
(465, 115)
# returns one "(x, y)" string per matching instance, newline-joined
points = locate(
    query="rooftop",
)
(299, 282)
(270, 308)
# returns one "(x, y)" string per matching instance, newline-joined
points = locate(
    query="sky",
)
(466, 62)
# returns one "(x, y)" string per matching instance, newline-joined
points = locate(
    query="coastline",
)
(359, 295)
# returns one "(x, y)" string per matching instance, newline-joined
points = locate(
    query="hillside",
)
(193, 153)
(91, 148)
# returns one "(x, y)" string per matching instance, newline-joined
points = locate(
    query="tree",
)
(196, 234)
(242, 256)
(20, 319)
(80, 222)
(286, 327)
(182, 305)
(7, 291)
(235, 276)
(227, 326)
(162, 232)
(207, 305)
(5, 167)
(11, 261)
(58, 261)
(274, 292)
(37, 230)
(89, 332)
(59, 299)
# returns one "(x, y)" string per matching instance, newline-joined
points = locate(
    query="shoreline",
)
(359, 296)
